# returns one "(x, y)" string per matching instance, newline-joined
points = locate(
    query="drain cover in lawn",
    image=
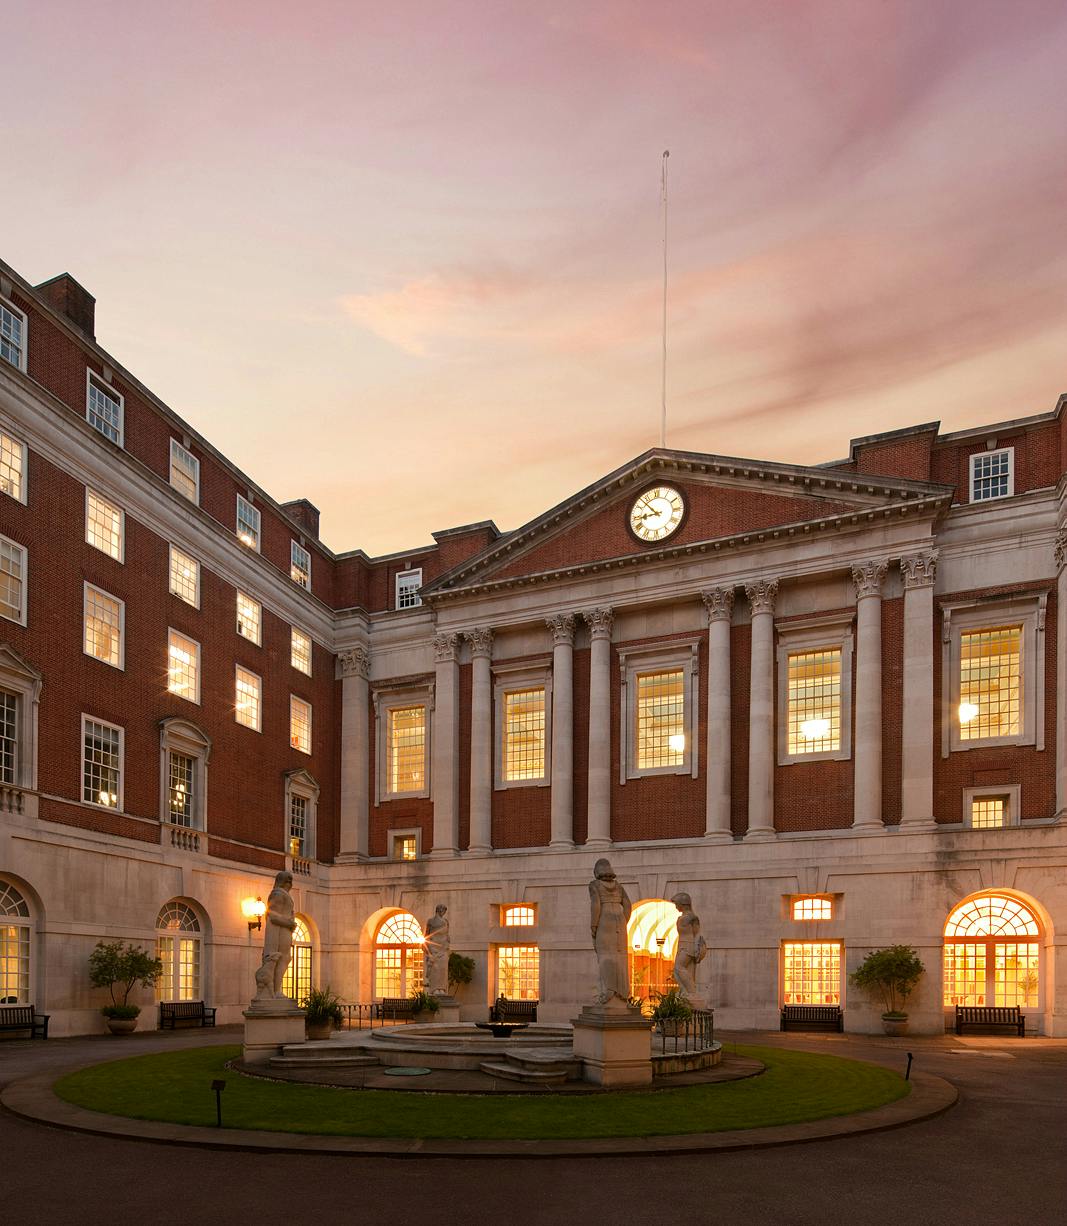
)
(406, 1072)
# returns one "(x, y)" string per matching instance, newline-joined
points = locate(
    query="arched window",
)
(653, 937)
(178, 948)
(398, 956)
(297, 981)
(15, 943)
(992, 953)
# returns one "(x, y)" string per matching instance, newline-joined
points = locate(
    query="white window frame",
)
(178, 735)
(673, 656)
(1011, 793)
(171, 551)
(296, 562)
(258, 725)
(120, 804)
(258, 521)
(384, 702)
(412, 573)
(303, 784)
(509, 679)
(505, 907)
(196, 665)
(972, 464)
(293, 632)
(395, 836)
(91, 493)
(821, 633)
(294, 699)
(24, 347)
(814, 939)
(106, 386)
(25, 568)
(258, 640)
(86, 588)
(1027, 611)
(20, 678)
(176, 447)
(16, 444)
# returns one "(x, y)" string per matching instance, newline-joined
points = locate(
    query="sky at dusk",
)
(405, 259)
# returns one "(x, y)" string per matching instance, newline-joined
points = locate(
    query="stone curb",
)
(33, 1099)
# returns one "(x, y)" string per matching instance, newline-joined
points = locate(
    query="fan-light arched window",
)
(297, 981)
(15, 942)
(653, 939)
(178, 948)
(398, 956)
(992, 953)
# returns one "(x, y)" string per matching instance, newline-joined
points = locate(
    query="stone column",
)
(562, 627)
(761, 757)
(917, 698)
(481, 841)
(1060, 554)
(598, 833)
(444, 785)
(719, 603)
(355, 754)
(867, 750)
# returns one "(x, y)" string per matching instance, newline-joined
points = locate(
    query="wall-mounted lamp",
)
(254, 909)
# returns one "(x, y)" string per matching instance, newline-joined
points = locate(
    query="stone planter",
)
(319, 1030)
(121, 1025)
(895, 1026)
(424, 1016)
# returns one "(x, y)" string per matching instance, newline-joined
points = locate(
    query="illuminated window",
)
(247, 523)
(249, 618)
(15, 944)
(398, 960)
(103, 525)
(12, 467)
(660, 720)
(178, 948)
(103, 621)
(992, 953)
(520, 915)
(652, 939)
(405, 847)
(992, 474)
(20, 689)
(186, 750)
(299, 724)
(184, 577)
(299, 564)
(301, 806)
(103, 408)
(518, 972)
(101, 763)
(12, 334)
(811, 973)
(408, 583)
(990, 683)
(12, 581)
(248, 698)
(183, 666)
(184, 471)
(298, 824)
(659, 701)
(181, 789)
(406, 749)
(9, 737)
(524, 735)
(812, 908)
(300, 651)
(814, 701)
(989, 812)
(296, 982)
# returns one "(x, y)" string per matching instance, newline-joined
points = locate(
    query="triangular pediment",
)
(726, 500)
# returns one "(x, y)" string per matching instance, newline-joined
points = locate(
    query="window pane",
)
(247, 523)
(249, 618)
(1015, 973)
(518, 916)
(991, 475)
(405, 847)
(12, 466)
(247, 700)
(815, 702)
(12, 575)
(300, 565)
(103, 627)
(301, 651)
(965, 973)
(104, 411)
(14, 964)
(524, 735)
(992, 915)
(184, 471)
(660, 720)
(812, 908)
(300, 724)
(103, 525)
(812, 973)
(101, 764)
(518, 972)
(298, 825)
(184, 577)
(9, 740)
(183, 666)
(406, 770)
(987, 812)
(990, 683)
(11, 333)
(180, 783)
(296, 982)
(408, 583)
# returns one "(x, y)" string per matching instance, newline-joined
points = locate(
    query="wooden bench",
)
(195, 1011)
(24, 1017)
(399, 1008)
(505, 1010)
(807, 1017)
(990, 1015)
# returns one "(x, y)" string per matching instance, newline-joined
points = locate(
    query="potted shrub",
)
(890, 974)
(119, 968)
(324, 1015)
(460, 970)
(672, 1011)
(425, 1006)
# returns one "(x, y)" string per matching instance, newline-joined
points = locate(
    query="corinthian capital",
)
(762, 595)
(919, 569)
(481, 641)
(599, 622)
(719, 603)
(1059, 550)
(562, 627)
(355, 662)
(867, 578)
(445, 648)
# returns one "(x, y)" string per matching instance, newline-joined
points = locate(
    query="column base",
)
(597, 844)
(761, 834)
(614, 1044)
(867, 828)
(351, 857)
(482, 849)
(718, 836)
(917, 825)
(561, 845)
(444, 853)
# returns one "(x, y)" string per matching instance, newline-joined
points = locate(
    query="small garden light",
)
(253, 910)
(218, 1086)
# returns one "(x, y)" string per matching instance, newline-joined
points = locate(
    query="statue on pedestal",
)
(609, 914)
(437, 948)
(692, 950)
(279, 924)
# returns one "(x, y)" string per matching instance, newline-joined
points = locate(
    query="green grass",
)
(176, 1087)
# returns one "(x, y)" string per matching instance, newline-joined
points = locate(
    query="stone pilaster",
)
(355, 754)
(598, 834)
(562, 629)
(1060, 556)
(719, 604)
(481, 641)
(867, 751)
(444, 784)
(761, 597)
(917, 699)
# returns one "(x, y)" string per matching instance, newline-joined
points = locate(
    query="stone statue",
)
(280, 921)
(692, 950)
(437, 948)
(609, 914)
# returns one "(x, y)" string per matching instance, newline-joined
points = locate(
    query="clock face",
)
(657, 513)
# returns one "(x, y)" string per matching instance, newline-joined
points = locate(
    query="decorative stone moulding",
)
(599, 622)
(761, 595)
(867, 578)
(445, 648)
(355, 662)
(562, 628)
(719, 603)
(481, 641)
(1059, 550)
(919, 569)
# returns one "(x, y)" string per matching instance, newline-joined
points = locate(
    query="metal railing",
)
(696, 1033)
(365, 1017)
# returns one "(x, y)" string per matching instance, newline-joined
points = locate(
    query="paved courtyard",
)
(998, 1157)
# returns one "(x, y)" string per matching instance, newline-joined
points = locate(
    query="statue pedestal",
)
(614, 1043)
(269, 1026)
(448, 1011)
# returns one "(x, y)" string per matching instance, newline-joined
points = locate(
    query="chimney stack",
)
(305, 514)
(64, 295)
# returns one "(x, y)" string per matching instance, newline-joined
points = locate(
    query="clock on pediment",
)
(656, 513)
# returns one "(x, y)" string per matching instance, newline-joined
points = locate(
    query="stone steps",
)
(535, 1067)
(298, 1057)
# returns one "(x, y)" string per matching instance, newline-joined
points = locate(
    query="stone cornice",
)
(562, 629)
(919, 569)
(718, 603)
(761, 595)
(867, 578)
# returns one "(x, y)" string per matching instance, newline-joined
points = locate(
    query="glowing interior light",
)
(676, 742)
(245, 539)
(814, 729)
(968, 711)
(109, 799)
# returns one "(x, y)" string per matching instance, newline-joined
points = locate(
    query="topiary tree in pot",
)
(892, 974)
(119, 968)
(460, 970)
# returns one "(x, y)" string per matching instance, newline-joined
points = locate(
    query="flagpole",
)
(663, 385)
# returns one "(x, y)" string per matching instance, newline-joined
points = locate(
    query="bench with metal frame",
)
(990, 1016)
(806, 1017)
(398, 1008)
(195, 1011)
(24, 1017)
(505, 1010)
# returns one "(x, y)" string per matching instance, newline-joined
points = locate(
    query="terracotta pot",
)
(895, 1026)
(121, 1025)
(319, 1030)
